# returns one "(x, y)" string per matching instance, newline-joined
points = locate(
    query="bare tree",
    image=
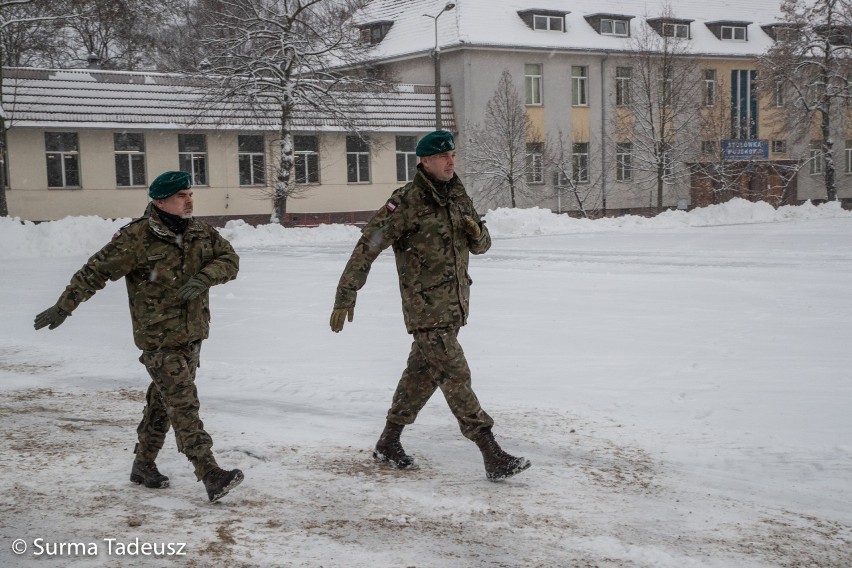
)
(289, 55)
(572, 179)
(22, 39)
(811, 63)
(118, 34)
(662, 107)
(505, 153)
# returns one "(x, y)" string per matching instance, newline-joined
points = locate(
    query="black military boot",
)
(389, 449)
(218, 482)
(147, 474)
(498, 464)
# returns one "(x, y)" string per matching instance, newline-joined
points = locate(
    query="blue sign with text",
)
(745, 149)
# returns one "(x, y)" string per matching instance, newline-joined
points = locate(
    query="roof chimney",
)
(94, 61)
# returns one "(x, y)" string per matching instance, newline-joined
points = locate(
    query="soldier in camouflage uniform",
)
(432, 225)
(168, 260)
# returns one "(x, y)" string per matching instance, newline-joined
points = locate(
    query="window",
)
(743, 104)
(666, 85)
(779, 146)
(614, 27)
(622, 85)
(535, 162)
(129, 159)
(532, 83)
(306, 155)
(815, 163)
(192, 156)
(579, 85)
(624, 161)
(375, 33)
(357, 160)
(779, 93)
(580, 162)
(551, 23)
(668, 163)
(709, 147)
(733, 33)
(252, 159)
(676, 30)
(63, 159)
(406, 159)
(709, 87)
(849, 156)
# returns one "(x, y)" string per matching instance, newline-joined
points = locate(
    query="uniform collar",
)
(442, 191)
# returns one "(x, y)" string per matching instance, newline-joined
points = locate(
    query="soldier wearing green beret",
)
(432, 226)
(168, 260)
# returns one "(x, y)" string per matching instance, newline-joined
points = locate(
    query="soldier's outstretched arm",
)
(113, 261)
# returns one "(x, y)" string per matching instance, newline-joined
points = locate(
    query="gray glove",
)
(52, 316)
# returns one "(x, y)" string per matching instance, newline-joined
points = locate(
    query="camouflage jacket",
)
(424, 226)
(155, 263)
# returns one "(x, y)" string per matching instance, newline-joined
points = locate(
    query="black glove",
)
(194, 287)
(52, 316)
(339, 315)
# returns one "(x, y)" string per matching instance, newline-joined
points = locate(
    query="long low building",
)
(87, 142)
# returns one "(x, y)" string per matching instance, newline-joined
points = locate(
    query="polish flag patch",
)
(390, 207)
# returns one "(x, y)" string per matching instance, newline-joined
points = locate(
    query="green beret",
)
(436, 142)
(169, 183)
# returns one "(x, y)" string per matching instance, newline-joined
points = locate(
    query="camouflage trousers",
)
(172, 401)
(437, 361)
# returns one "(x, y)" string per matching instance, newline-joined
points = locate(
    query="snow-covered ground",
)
(681, 385)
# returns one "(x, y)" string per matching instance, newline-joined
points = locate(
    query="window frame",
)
(613, 25)
(710, 84)
(733, 33)
(549, 23)
(252, 156)
(580, 162)
(848, 153)
(63, 156)
(779, 146)
(533, 81)
(535, 163)
(580, 86)
(709, 147)
(816, 165)
(360, 151)
(623, 86)
(408, 156)
(624, 161)
(193, 158)
(780, 95)
(303, 159)
(673, 27)
(131, 156)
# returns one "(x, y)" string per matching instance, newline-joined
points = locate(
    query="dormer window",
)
(737, 33)
(614, 27)
(676, 30)
(729, 31)
(375, 32)
(781, 31)
(550, 23)
(610, 24)
(544, 20)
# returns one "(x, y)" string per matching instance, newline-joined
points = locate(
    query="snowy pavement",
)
(681, 386)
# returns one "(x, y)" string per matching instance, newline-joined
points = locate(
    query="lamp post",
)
(449, 6)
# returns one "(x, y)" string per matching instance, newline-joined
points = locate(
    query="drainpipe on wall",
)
(603, 133)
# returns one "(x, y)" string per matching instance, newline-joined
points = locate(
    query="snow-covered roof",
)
(87, 98)
(497, 24)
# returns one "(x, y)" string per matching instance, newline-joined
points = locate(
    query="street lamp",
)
(449, 6)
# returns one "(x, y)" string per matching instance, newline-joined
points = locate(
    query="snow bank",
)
(536, 221)
(77, 236)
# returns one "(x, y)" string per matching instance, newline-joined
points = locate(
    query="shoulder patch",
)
(390, 206)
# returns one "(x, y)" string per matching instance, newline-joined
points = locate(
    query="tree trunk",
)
(828, 156)
(285, 168)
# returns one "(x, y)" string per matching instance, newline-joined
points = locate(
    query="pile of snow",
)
(75, 236)
(536, 221)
